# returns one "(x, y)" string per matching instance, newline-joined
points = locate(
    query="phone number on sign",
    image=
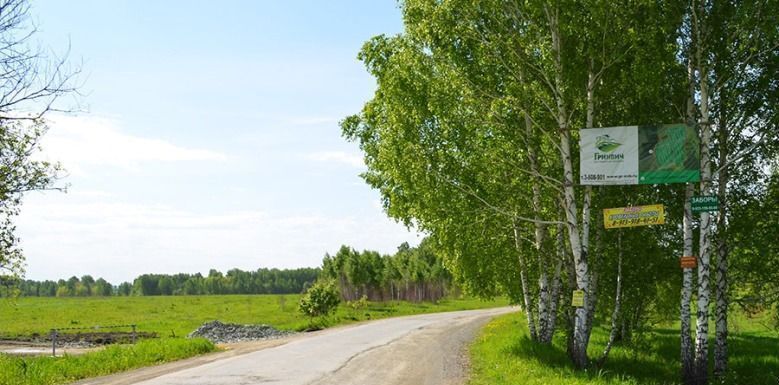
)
(593, 177)
(635, 222)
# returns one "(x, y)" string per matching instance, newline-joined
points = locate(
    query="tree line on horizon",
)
(235, 281)
(412, 274)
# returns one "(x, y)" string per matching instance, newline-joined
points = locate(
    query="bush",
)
(320, 299)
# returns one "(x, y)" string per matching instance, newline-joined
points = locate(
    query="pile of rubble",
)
(219, 332)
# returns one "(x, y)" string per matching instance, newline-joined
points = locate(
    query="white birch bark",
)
(688, 372)
(556, 285)
(586, 212)
(579, 256)
(721, 290)
(543, 277)
(617, 304)
(704, 262)
(569, 200)
(687, 358)
(531, 323)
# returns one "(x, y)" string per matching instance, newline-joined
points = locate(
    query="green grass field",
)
(177, 316)
(504, 354)
(171, 318)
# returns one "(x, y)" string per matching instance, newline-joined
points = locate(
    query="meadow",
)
(503, 354)
(171, 318)
(177, 316)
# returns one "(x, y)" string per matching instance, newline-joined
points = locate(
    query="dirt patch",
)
(85, 339)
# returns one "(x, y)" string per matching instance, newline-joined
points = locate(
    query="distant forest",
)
(412, 274)
(235, 281)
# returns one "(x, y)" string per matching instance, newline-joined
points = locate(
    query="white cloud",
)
(82, 141)
(354, 160)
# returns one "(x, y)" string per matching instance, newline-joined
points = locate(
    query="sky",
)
(206, 137)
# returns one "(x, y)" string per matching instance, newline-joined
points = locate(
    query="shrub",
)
(320, 299)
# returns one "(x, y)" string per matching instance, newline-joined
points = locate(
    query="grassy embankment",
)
(503, 354)
(172, 318)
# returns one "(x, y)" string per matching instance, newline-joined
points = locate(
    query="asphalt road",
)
(416, 350)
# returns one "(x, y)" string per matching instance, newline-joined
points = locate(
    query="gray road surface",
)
(416, 350)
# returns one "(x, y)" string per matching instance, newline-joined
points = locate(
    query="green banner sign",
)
(668, 154)
(704, 203)
(652, 154)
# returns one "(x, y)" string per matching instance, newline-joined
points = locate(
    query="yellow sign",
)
(633, 216)
(577, 299)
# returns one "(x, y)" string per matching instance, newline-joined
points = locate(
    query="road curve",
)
(414, 350)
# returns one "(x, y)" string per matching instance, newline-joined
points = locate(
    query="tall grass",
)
(60, 370)
(504, 354)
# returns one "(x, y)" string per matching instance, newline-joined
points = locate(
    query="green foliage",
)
(411, 274)
(30, 85)
(756, 259)
(19, 173)
(504, 354)
(357, 307)
(359, 304)
(61, 370)
(236, 281)
(320, 299)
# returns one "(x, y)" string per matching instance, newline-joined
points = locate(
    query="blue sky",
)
(209, 138)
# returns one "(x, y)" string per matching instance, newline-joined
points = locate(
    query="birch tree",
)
(472, 132)
(734, 45)
(31, 84)
(745, 51)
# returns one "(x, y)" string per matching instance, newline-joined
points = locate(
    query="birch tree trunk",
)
(586, 212)
(721, 290)
(543, 277)
(531, 323)
(579, 353)
(556, 285)
(579, 255)
(704, 263)
(688, 362)
(617, 304)
(687, 358)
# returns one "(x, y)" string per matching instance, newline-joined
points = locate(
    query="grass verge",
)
(171, 318)
(504, 354)
(117, 358)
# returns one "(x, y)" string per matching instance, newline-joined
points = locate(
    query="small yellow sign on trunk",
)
(577, 299)
(634, 216)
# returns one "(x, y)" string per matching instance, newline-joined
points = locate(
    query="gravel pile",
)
(219, 332)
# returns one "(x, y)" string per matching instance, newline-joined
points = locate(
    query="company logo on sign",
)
(607, 144)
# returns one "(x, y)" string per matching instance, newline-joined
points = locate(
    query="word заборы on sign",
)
(704, 203)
